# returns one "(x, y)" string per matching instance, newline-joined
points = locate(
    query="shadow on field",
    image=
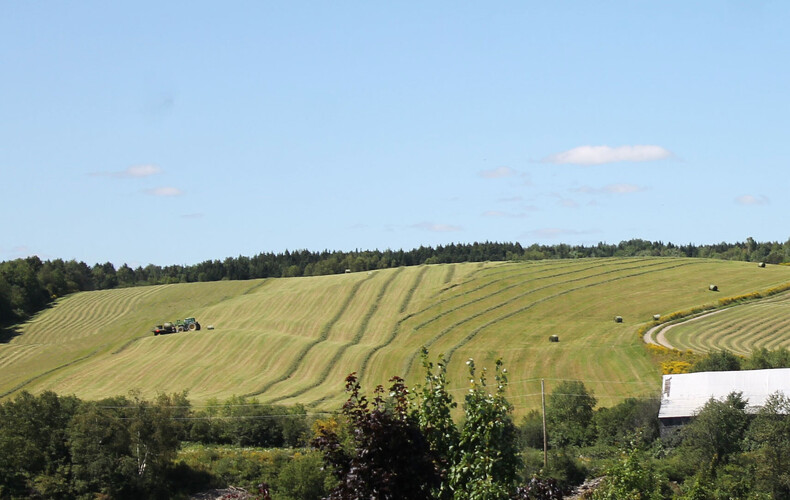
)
(8, 332)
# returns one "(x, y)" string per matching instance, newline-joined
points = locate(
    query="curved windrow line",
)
(395, 329)
(476, 276)
(321, 338)
(89, 315)
(43, 374)
(510, 273)
(67, 314)
(488, 324)
(748, 330)
(445, 331)
(128, 343)
(354, 341)
(69, 301)
(747, 334)
(448, 277)
(19, 351)
(722, 327)
(412, 290)
(250, 290)
(253, 288)
(526, 272)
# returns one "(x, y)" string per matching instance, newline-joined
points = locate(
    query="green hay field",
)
(293, 340)
(763, 323)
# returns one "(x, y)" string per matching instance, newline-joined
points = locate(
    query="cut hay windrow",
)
(740, 329)
(321, 338)
(409, 364)
(321, 378)
(501, 290)
(475, 332)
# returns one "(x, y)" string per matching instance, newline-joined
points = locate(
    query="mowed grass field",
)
(762, 323)
(293, 340)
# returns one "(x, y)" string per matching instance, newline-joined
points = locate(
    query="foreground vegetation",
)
(397, 444)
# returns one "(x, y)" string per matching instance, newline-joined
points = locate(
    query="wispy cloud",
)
(748, 199)
(141, 171)
(511, 199)
(436, 228)
(498, 213)
(555, 232)
(133, 172)
(568, 203)
(611, 189)
(598, 155)
(498, 173)
(164, 191)
(494, 213)
(17, 251)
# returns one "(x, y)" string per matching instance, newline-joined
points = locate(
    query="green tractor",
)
(190, 324)
(181, 325)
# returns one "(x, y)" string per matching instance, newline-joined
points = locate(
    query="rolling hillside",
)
(293, 340)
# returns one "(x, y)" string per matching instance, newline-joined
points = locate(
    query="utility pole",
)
(545, 445)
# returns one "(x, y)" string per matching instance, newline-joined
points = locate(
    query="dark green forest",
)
(30, 284)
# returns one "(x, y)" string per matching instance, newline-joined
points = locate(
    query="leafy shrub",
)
(631, 478)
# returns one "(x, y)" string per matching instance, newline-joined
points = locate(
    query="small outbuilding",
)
(683, 395)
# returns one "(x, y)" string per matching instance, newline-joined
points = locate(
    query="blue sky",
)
(176, 132)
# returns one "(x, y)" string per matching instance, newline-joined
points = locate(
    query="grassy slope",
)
(294, 340)
(763, 323)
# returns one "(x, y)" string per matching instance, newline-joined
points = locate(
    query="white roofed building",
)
(683, 395)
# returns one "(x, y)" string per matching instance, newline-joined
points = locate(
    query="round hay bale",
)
(210, 327)
(761, 264)
(656, 317)
(713, 288)
(554, 338)
(618, 319)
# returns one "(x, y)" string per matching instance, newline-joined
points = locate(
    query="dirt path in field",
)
(662, 329)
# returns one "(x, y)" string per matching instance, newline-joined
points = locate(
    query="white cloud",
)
(135, 171)
(141, 171)
(611, 189)
(555, 232)
(498, 173)
(510, 215)
(748, 199)
(551, 232)
(436, 228)
(598, 155)
(164, 191)
(494, 213)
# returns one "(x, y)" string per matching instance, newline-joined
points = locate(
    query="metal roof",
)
(684, 394)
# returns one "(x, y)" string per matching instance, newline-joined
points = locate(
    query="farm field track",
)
(293, 340)
(741, 329)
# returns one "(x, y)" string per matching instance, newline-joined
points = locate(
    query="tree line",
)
(126, 447)
(27, 285)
